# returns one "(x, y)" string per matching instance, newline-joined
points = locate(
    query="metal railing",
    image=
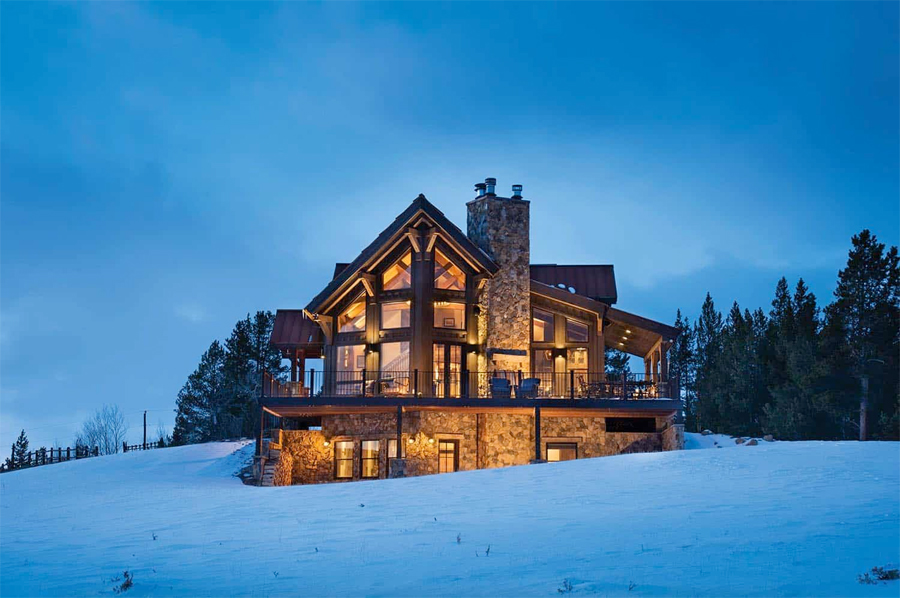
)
(573, 384)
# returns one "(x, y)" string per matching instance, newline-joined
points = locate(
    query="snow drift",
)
(778, 519)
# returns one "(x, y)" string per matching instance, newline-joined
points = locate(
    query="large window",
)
(450, 315)
(343, 459)
(394, 378)
(577, 359)
(448, 456)
(576, 332)
(561, 451)
(399, 275)
(395, 315)
(542, 326)
(446, 275)
(353, 319)
(350, 360)
(392, 449)
(369, 461)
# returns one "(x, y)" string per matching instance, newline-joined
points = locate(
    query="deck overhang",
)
(314, 406)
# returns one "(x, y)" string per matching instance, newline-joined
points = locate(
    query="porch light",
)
(326, 443)
(627, 332)
(431, 441)
(410, 441)
(622, 344)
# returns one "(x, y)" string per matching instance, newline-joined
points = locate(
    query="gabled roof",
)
(293, 330)
(419, 205)
(564, 296)
(595, 281)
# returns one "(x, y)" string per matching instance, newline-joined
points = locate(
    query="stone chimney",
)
(500, 226)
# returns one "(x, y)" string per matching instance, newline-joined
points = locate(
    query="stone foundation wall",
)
(486, 440)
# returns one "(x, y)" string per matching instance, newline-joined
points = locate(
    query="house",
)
(455, 348)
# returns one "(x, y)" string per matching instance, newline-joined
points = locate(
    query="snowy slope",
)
(779, 519)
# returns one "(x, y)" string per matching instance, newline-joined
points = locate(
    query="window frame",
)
(462, 304)
(558, 446)
(587, 331)
(552, 325)
(402, 450)
(381, 307)
(361, 298)
(381, 276)
(455, 443)
(465, 277)
(363, 459)
(338, 461)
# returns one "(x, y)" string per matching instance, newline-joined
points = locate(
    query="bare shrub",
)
(105, 428)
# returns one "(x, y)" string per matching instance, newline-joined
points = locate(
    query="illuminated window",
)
(577, 359)
(351, 359)
(542, 326)
(354, 317)
(394, 379)
(448, 456)
(450, 315)
(446, 275)
(576, 332)
(561, 451)
(398, 276)
(392, 449)
(370, 450)
(395, 315)
(343, 459)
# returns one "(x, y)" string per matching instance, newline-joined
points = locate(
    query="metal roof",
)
(293, 330)
(595, 281)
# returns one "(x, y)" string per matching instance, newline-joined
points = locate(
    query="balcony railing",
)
(574, 384)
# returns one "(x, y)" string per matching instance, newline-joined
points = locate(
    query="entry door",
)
(447, 366)
(448, 456)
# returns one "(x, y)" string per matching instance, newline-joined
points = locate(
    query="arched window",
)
(399, 275)
(446, 275)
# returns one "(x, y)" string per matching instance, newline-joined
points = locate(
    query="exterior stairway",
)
(271, 462)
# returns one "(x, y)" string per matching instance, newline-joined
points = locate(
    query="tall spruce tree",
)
(867, 300)
(202, 407)
(681, 367)
(19, 454)
(616, 362)
(708, 347)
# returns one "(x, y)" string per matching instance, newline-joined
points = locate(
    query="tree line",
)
(798, 372)
(219, 399)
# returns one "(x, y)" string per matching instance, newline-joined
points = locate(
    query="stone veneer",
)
(500, 227)
(486, 440)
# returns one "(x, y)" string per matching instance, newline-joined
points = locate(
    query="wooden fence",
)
(48, 456)
(127, 448)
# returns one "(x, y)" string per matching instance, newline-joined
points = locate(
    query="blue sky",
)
(168, 168)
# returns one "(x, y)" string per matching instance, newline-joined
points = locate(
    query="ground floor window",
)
(392, 449)
(343, 459)
(631, 424)
(561, 451)
(448, 456)
(369, 461)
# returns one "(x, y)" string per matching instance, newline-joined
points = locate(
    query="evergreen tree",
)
(867, 301)
(20, 450)
(617, 362)
(708, 346)
(681, 367)
(202, 404)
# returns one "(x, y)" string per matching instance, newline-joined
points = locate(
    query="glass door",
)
(447, 368)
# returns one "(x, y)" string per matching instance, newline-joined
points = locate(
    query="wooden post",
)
(663, 364)
(145, 430)
(68, 453)
(363, 393)
(537, 433)
(572, 384)
(464, 384)
(262, 415)
(399, 434)
(415, 384)
(125, 447)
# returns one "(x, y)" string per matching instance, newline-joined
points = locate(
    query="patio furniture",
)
(500, 388)
(528, 389)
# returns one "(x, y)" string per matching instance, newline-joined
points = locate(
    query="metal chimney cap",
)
(489, 184)
(479, 189)
(490, 181)
(517, 191)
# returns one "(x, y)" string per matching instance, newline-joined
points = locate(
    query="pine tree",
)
(19, 456)
(867, 300)
(708, 343)
(617, 362)
(202, 404)
(681, 367)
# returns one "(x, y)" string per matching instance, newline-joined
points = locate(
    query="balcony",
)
(572, 385)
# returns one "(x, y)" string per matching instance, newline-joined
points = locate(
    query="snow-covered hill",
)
(779, 519)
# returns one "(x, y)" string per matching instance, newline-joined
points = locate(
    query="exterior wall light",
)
(326, 443)
(431, 441)
(410, 441)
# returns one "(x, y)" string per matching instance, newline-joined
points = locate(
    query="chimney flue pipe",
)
(479, 189)
(517, 191)
(490, 184)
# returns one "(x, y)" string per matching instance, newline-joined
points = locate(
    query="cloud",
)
(191, 312)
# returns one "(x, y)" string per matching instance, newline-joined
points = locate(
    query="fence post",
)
(97, 450)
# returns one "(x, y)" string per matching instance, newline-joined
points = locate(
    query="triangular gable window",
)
(446, 275)
(353, 319)
(398, 276)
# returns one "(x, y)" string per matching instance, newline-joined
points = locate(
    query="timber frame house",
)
(446, 351)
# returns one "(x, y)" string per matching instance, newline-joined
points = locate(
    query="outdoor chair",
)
(500, 388)
(528, 389)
